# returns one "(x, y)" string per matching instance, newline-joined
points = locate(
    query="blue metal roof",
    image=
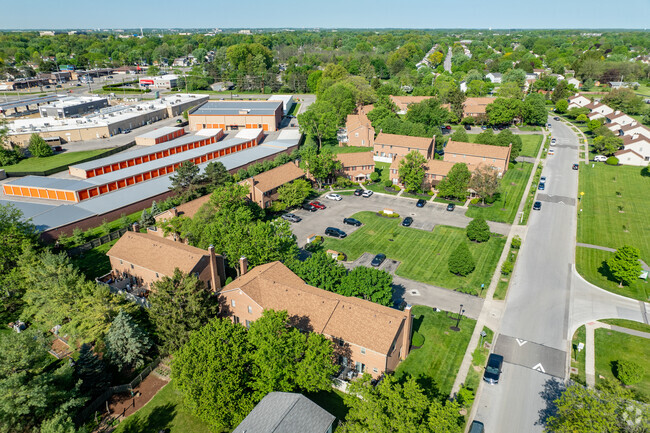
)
(230, 108)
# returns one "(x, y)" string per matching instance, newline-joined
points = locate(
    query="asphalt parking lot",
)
(424, 218)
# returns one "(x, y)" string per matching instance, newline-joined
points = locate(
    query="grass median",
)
(62, 160)
(423, 254)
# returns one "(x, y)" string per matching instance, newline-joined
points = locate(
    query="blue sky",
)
(501, 14)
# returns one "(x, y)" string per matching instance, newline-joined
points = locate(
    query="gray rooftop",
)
(28, 101)
(285, 412)
(158, 132)
(224, 108)
(51, 183)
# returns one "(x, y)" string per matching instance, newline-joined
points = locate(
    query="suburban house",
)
(286, 412)
(140, 259)
(614, 121)
(635, 128)
(389, 146)
(474, 154)
(631, 157)
(494, 77)
(264, 187)
(636, 150)
(356, 166)
(623, 85)
(578, 101)
(358, 129)
(367, 337)
(187, 210)
(403, 102)
(574, 82)
(434, 171)
(475, 107)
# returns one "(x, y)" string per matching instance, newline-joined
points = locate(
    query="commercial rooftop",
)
(71, 101)
(231, 108)
(160, 132)
(29, 101)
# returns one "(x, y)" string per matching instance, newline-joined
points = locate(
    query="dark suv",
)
(351, 222)
(358, 192)
(337, 233)
(493, 368)
(309, 207)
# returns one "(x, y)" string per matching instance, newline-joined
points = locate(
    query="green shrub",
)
(461, 261)
(367, 182)
(228, 281)
(474, 201)
(478, 230)
(417, 339)
(465, 397)
(507, 267)
(9, 157)
(397, 188)
(374, 176)
(430, 193)
(388, 215)
(516, 242)
(612, 160)
(388, 183)
(341, 257)
(628, 372)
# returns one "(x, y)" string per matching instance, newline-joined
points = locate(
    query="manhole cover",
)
(414, 293)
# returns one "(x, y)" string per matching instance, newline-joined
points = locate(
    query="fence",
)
(96, 242)
(96, 404)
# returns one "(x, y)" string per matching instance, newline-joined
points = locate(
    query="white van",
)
(600, 158)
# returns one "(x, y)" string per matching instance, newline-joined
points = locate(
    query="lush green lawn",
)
(383, 168)
(504, 209)
(578, 357)
(630, 324)
(94, 263)
(60, 160)
(163, 412)
(423, 255)
(643, 90)
(294, 109)
(529, 143)
(612, 346)
(591, 264)
(601, 222)
(439, 358)
(479, 359)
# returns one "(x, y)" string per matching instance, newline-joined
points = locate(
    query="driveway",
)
(424, 218)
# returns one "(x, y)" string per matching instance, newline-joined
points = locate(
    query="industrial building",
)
(108, 122)
(159, 135)
(23, 105)
(71, 106)
(163, 82)
(287, 102)
(234, 115)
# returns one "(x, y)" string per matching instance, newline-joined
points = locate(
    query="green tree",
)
(510, 91)
(562, 106)
(503, 111)
(460, 135)
(126, 343)
(38, 147)
(594, 125)
(625, 100)
(517, 76)
(580, 409)
(485, 181)
(582, 118)
(90, 370)
(428, 112)
(368, 283)
(180, 304)
(456, 182)
(294, 193)
(412, 170)
(319, 270)
(185, 179)
(319, 165)
(60, 423)
(146, 219)
(213, 373)
(461, 261)
(478, 230)
(215, 174)
(506, 138)
(625, 265)
(561, 91)
(607, 144)
(629, 372)
(534, 110)
(320, 121)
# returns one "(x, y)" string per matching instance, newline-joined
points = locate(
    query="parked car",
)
(126, 131)
(549, 126)
(447, 126)
(358, 192)
(556, 118)
(57, 149)
(378, 260)
(420, 203)
(468, 127)
(483, 127)
(477, 427)
(367, 193)
(537, 205)
(553, 141)
(309, 207)
(451, 207)
(334, 232)
(352, 222)
(551, 152)
(542, 179)
(333, 196)
(291, 217)
(574, 166)
(600, 158)
(541, 186)
(318, 205)
(493, 368)
(407, 222)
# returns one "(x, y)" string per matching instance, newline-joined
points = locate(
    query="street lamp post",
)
(460, 315)
(483, 335)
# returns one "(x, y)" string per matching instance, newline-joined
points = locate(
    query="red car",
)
(317, 205)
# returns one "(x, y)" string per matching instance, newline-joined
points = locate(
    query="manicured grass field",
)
(439, 358)
(612, 346)
(529, 143)
(163, 412)
(60, 160)
(504, 209)
(383, 168)
(591, 264)
(350, 149)
(423, 255)
(601, 222)
(629, 324)
(643, 90)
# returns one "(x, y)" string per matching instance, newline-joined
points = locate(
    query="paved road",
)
(447, 63)
(424, 218)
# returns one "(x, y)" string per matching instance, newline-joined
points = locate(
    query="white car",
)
(600, 158)
(551, 152)
(333, 197)
(366, 193)
(553, 141)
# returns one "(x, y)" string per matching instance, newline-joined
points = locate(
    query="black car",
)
(493, 368)
(420, 203)
(537, 205)
(575, 166)
(477, 427)
(309, 207)
(291, 217)
(407, 222)
(378, 260)
(468, 127)
(358, 192)
(337, 233)
(556, 118)
(541, 186)
(451, 207)
(352, 222)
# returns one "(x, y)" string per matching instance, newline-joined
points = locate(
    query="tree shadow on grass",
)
(158, 420)
(553, 389)
(606, 272)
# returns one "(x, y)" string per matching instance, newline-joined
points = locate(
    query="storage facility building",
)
(159, 135)
(233, 115)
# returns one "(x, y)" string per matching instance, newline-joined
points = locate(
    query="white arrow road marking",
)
(521, 342)
(539, 367)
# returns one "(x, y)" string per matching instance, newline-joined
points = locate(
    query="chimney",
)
(215, 280)
(408, 325)
(136, 227)
(243, 265)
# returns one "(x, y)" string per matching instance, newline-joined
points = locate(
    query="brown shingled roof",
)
(356, 159)
(474, 149)
(404, 141)
(369, 325)
(158, 254)
(476, 105)
(278, 176)
(403, 102)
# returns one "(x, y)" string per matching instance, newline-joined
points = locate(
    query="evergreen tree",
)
(461, 261)
(91, 371)
(625, 265)
(155, 210)
(478, 230)
(38, 147)
(126, 344)
(146, 219)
